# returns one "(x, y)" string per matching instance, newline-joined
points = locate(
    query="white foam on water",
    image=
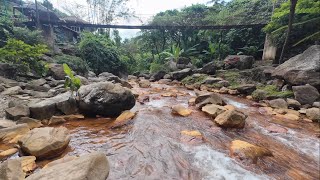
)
(235, 103)
(217, 166)
(297, 141)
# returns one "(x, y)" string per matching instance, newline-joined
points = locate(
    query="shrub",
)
(71, 82)
(155, 67)
(29, 37)
(100, 54)
(77, 64)
(18, 52)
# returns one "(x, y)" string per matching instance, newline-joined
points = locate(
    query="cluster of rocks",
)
(30, 106)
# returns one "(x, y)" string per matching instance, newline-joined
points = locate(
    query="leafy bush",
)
(100, 54)
(155, 67)
(18, 52)
(5, 29)
(33, 37)
(71, 82)
(77, 64)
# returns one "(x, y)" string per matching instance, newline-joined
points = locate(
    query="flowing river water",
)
(151, 145)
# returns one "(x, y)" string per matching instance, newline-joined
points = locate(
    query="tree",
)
(291, 19)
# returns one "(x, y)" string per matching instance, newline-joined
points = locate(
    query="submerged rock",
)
(247, 151)
(45, 143)
(93, 166)
(8, 152)
(181, 110)
(123, 119)
(231, 119)
(105, 98)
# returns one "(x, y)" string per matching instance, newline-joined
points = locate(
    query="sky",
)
(144, 9)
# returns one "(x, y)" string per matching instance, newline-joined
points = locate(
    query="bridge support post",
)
(270, 50)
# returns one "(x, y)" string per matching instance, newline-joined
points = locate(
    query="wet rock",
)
(73, 117)
(45, 143)
(192, 101)
(32, 123)
(305, 94)
(165, 81)
(246, 151)
(12, 91)
(209, 68)
(213, 110)
(246, 89)
(169, 94)
(167, 76)
(59, 161)
(181, 110)
(54, 120)
(209, 98)
(278, 103)
(231, 119)
(233, 92)
(105, 99)
(288, 116)
(159, 75)
(224, 90)
(8, 153)
(313, 114)
(301, 69)
(191, 137)
(13, 132)
(123, 119)
(15, 113)
(240, 62)
(179, 75)
(276, 129)
(56, 71)
(60, 104)
(294, 104)
(144, 84)
(11, 170)
(92, 166)
(4, 123)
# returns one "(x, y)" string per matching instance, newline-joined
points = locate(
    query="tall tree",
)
(293, 4)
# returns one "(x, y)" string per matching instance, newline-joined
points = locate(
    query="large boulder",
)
(179, 75)
(301, 69)
(231, 119)
(63, 104)
(305, 94)
(213, 110)
(106, 76)
(93, 166)
(105, 98)
(209, 98)
(278, 103)
(11, 170)
(56, 71)
(240, 62)
(45, 143)
(209, 68)
(183, 63)
(15, 113)
(7, 134)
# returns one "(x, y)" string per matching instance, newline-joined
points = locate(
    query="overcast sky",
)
(143, 8)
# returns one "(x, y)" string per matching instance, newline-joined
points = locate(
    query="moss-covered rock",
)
(270, 92)
(195, 79)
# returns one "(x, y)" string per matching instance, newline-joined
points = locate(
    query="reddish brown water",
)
(151, 146)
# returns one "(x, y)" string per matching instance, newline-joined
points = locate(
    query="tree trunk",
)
(291, 18)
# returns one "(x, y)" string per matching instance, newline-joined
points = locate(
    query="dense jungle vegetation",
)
(152, 49)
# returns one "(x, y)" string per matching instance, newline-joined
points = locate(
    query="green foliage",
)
(5, 29)
(306, 22)
(270, 92)
(31, 37)
(155, 67)
(71, 82)
(77, 64)
(18, 52)
(194, 79)
(100, 54)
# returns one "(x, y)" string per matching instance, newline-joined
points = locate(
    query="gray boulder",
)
(240, 62)
(278, 103)
(301, 69)
(56, 71)
(294, 104)
(305, 94)
(179, 75)
(7, 134)
(17, 112)
(246, 89)
(12, 91)
(209, 98)
(157, 76)
(105, 98)
(313, 114)
(45, 143)
(61, 104)
(209, 68)
(94, 166)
